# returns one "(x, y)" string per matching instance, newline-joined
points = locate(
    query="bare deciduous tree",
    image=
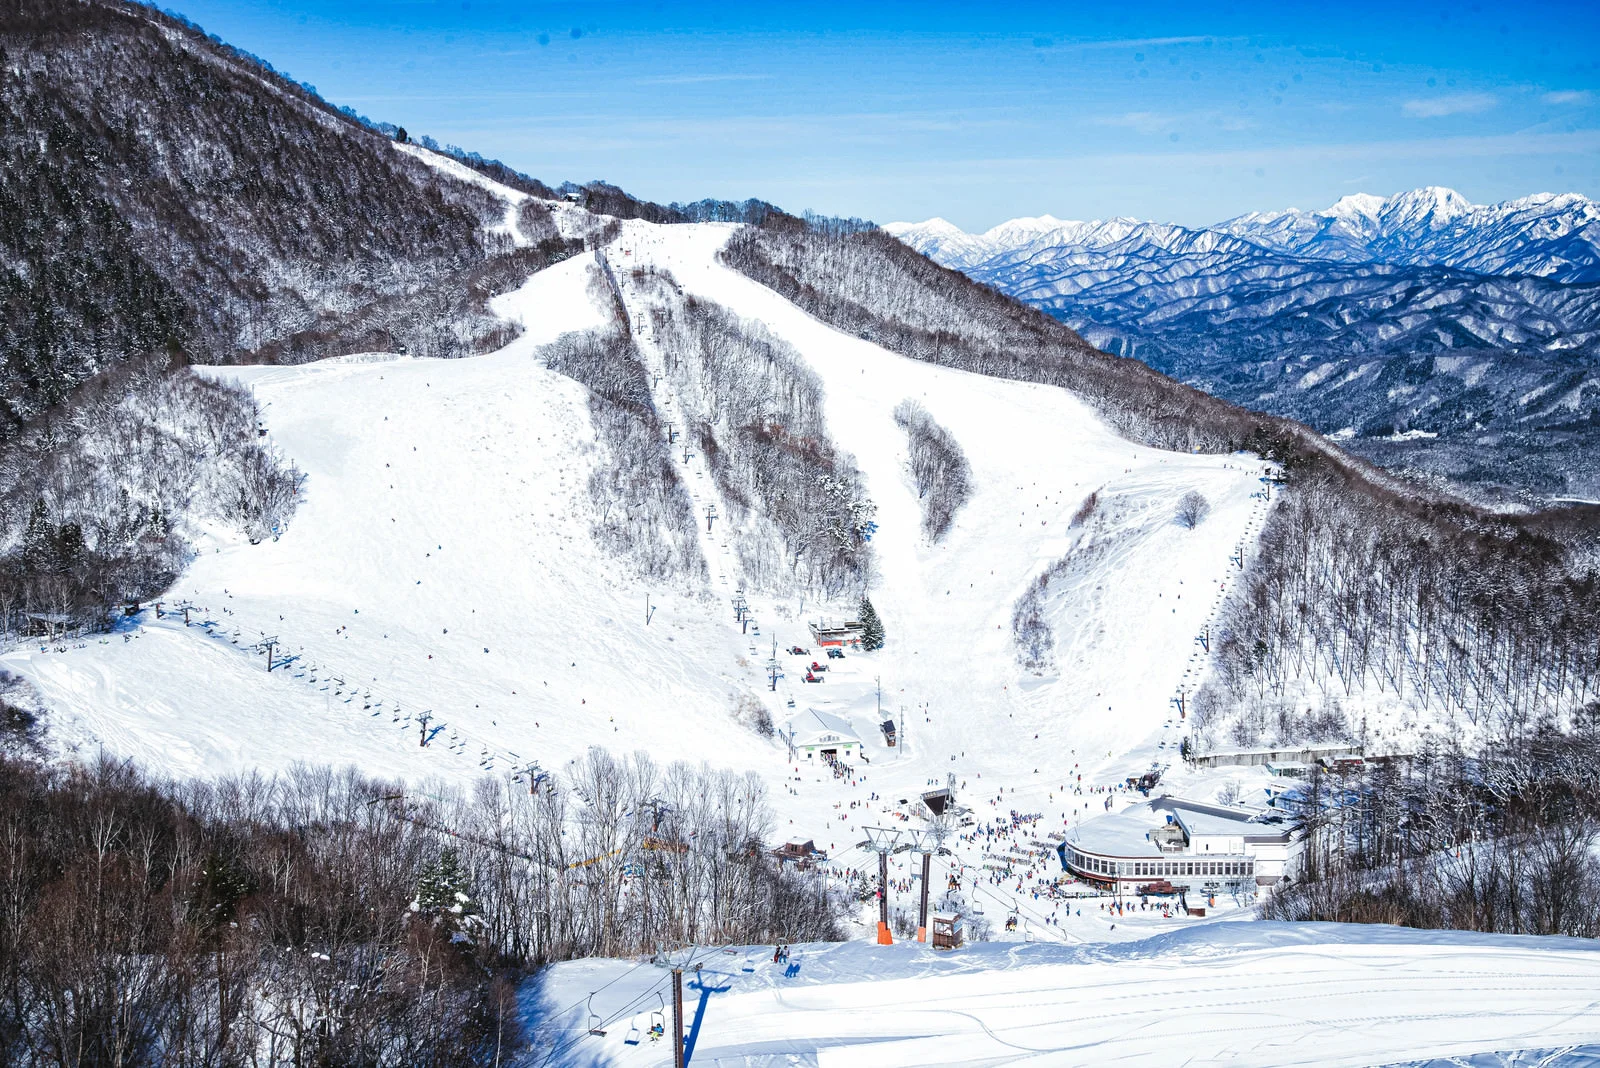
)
(1192, 510)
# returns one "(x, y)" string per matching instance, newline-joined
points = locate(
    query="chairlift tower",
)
(929, 840)
(711, 515)
(883, 841)
(266, 645)
(669, 960)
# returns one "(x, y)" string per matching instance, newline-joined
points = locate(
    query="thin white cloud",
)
(1156, 122)
(1146, 42)
(1430, 149)
(1145, 122)
(701, 79)
(1567, 96)
(1436, 107)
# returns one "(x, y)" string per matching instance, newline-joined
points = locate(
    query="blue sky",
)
(1188, 113)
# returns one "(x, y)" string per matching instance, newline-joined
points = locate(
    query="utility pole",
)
(882, 841)
(648, 611)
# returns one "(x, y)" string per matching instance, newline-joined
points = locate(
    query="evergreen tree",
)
(871, 626)
(442, 893)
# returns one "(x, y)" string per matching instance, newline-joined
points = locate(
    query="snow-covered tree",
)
(872, 634)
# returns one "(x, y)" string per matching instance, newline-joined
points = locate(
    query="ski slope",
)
(440, 563)
(1265, 994)
(439, 560)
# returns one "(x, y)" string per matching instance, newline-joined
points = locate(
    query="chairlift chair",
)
(596, 1027)
(658, 1018)
(634, 1033)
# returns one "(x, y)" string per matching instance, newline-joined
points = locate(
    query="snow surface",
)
(440, 560)
(1246, 994)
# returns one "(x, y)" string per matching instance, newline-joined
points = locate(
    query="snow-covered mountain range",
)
(1548, 235)
(1465, 331)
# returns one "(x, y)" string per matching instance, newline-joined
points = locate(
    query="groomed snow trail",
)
(1259, 994)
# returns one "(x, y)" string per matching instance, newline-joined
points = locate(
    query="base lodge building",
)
(1194, 844)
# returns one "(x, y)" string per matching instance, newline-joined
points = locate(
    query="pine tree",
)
(871, 626)
(441, 888)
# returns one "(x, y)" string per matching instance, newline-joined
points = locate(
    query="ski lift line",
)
(631, 1007)
(462, 733)
(1014, 906)
(585, 1000)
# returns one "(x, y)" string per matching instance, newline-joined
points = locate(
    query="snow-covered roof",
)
(1127, 833)
(1211, 819)
(1121, 834)
(812, 724)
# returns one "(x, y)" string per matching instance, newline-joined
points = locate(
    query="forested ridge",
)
(162, 191)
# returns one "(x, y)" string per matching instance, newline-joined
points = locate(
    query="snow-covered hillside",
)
(440, 562)
(1258, 994)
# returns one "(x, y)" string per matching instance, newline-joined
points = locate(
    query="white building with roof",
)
(1194, 844)
(814, 735)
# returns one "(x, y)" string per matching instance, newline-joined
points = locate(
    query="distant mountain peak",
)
(1356, 205)
(1036, 224)
(1434, 204)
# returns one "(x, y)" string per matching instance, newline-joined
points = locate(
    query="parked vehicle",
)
(818, 667)
(795, 650)
(813, 678)
(835, 654)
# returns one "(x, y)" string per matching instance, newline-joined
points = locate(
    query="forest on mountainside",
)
(800, 514)
(160, 191)
(1499, 839)
(642, 512)
(100, 495)
(325, 918)
(939, 468)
